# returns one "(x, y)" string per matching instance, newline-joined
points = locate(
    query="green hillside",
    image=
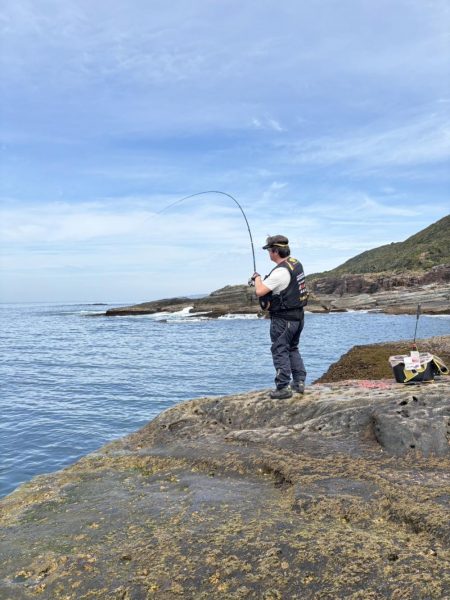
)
(420, 252)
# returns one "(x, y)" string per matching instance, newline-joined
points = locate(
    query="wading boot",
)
(281, 394)
(299, 387)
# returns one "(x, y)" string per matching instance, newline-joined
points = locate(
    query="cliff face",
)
(383, 282)
(386, 292)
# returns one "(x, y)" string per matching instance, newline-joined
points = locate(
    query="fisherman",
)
(283, 293)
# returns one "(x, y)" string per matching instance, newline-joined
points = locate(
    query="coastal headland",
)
(342, 492)
(389, 294)
(394, 278)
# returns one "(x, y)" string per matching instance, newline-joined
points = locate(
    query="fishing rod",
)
(223, 194)
(415, 331)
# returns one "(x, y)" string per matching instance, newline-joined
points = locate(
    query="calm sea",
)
(71, 382)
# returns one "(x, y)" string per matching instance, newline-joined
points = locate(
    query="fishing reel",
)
(251, 281)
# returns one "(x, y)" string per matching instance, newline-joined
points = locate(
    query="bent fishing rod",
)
(223, 194)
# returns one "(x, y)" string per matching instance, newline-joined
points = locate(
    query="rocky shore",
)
(387, 292)
(380, 292)
(236, 299)
(340, 493)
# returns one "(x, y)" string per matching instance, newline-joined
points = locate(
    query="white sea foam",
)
(179, 316)
(239, 316)
(186, 315)
(183, 313)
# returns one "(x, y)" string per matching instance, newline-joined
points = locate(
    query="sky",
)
(327, 120)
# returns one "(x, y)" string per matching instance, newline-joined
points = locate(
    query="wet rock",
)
(148, 308)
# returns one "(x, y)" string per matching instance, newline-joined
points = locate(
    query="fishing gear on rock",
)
(417, 367)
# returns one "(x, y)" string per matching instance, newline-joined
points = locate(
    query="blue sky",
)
(327, 120)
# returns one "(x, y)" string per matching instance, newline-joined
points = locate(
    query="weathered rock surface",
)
(433, 299)
(341, 493)
(387, 292)
(369, 283)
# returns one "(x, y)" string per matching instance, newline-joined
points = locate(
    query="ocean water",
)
(71, 381)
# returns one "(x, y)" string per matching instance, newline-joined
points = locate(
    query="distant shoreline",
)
(434, 299)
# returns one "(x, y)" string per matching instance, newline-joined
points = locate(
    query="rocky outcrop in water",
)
(340, 493)
(236, 299)
(391, 294)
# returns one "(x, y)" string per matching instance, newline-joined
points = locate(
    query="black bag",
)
(430, 366)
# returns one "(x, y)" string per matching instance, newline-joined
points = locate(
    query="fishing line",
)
(223, 194)
(415, 330)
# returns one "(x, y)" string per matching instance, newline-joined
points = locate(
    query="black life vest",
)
(290, 302)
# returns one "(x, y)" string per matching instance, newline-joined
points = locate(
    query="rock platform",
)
(396, 293)
(342, 492)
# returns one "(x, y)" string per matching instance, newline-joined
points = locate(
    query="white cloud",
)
(200, 221)
(423, 140)
(267, 123)
(56, 223)
(274, 125)
(272, 193)
(373, 207)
